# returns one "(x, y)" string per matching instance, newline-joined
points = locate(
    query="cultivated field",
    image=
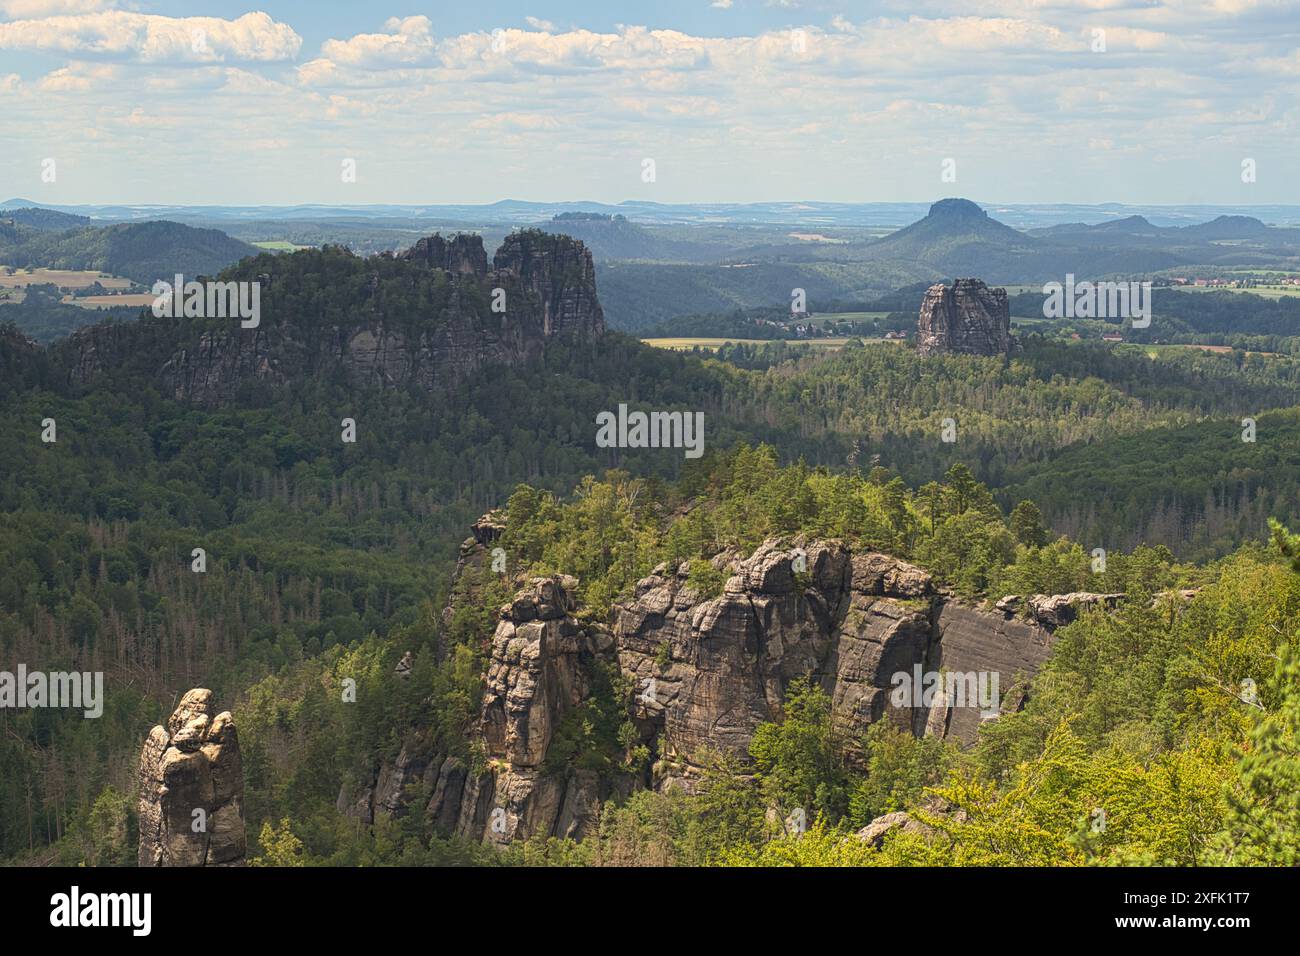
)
(1267, 291)
(63, 278)
(123, 300)
(713, 344)
(278, 245)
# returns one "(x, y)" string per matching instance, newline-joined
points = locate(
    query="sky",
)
(1014, 101)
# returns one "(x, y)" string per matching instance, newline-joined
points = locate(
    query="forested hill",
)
(428, 318)
(39, 218)
(144, 251)
(339, 333)
(163, 444)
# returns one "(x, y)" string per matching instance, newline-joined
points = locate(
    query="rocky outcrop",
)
(706, 669)
(430, 318)
(878, 830)
(709, 670)
(871, 630)
(460, 255)
(971, 641)
(874, 833)
(538, 672)
(1057, 610)
(192, 789)
(538, 675)
(534, 677)
(557, 274)
(966, 318)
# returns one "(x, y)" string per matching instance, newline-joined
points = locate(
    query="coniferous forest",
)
(703, 454)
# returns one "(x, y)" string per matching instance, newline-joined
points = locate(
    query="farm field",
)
(63, 278)
(1155, 350)
(278, 245)
(122, 300)
(680, 344)
(819, 318)
(1267, 291)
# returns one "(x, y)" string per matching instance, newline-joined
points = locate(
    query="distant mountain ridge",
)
(806, 213)
(616, 237)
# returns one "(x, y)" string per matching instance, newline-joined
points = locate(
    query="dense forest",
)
(1140, 713)
(324, 559)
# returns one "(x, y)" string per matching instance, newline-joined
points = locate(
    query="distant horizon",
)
(807, 213)
(986, 205)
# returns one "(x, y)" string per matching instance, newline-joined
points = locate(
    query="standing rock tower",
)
(967, 318)
(192, 789)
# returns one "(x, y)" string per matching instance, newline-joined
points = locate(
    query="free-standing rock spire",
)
(967, 317)
(192, 789)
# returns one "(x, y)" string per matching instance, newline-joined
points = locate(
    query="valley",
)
(340, 563)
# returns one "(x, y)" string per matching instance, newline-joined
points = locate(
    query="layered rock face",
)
(537, 677)
(192, 789)
(967, 318)
(429, 318)
(538, 672)
(710, 670)
(707, 669)
(459, 255)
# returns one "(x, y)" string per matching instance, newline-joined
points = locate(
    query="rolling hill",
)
(143, 251)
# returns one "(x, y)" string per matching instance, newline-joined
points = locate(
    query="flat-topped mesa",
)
(966, 318)
(462, 254)
(192, 789)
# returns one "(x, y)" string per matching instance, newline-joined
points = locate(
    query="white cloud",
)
(549, 111)
(409, 40)
(24, 9)
(147, 38)
(516, 121)
(78, 78)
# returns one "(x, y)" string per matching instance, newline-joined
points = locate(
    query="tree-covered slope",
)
(144, 251)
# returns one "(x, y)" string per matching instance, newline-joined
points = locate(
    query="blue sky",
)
(1152, 101)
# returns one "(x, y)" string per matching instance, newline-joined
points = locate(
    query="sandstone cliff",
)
(192, 789)
(966, 318)
(705, 670)
(428, 318)
(538, 672)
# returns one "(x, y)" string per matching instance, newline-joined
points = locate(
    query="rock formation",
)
(192, 789)
(704, 670)
(538, 672)
(459, 255)
(429, 318)
(709, 670)
(967, 318)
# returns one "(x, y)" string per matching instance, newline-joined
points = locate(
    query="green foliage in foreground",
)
(1164, 732)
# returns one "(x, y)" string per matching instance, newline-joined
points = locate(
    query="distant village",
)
(1220, 283)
